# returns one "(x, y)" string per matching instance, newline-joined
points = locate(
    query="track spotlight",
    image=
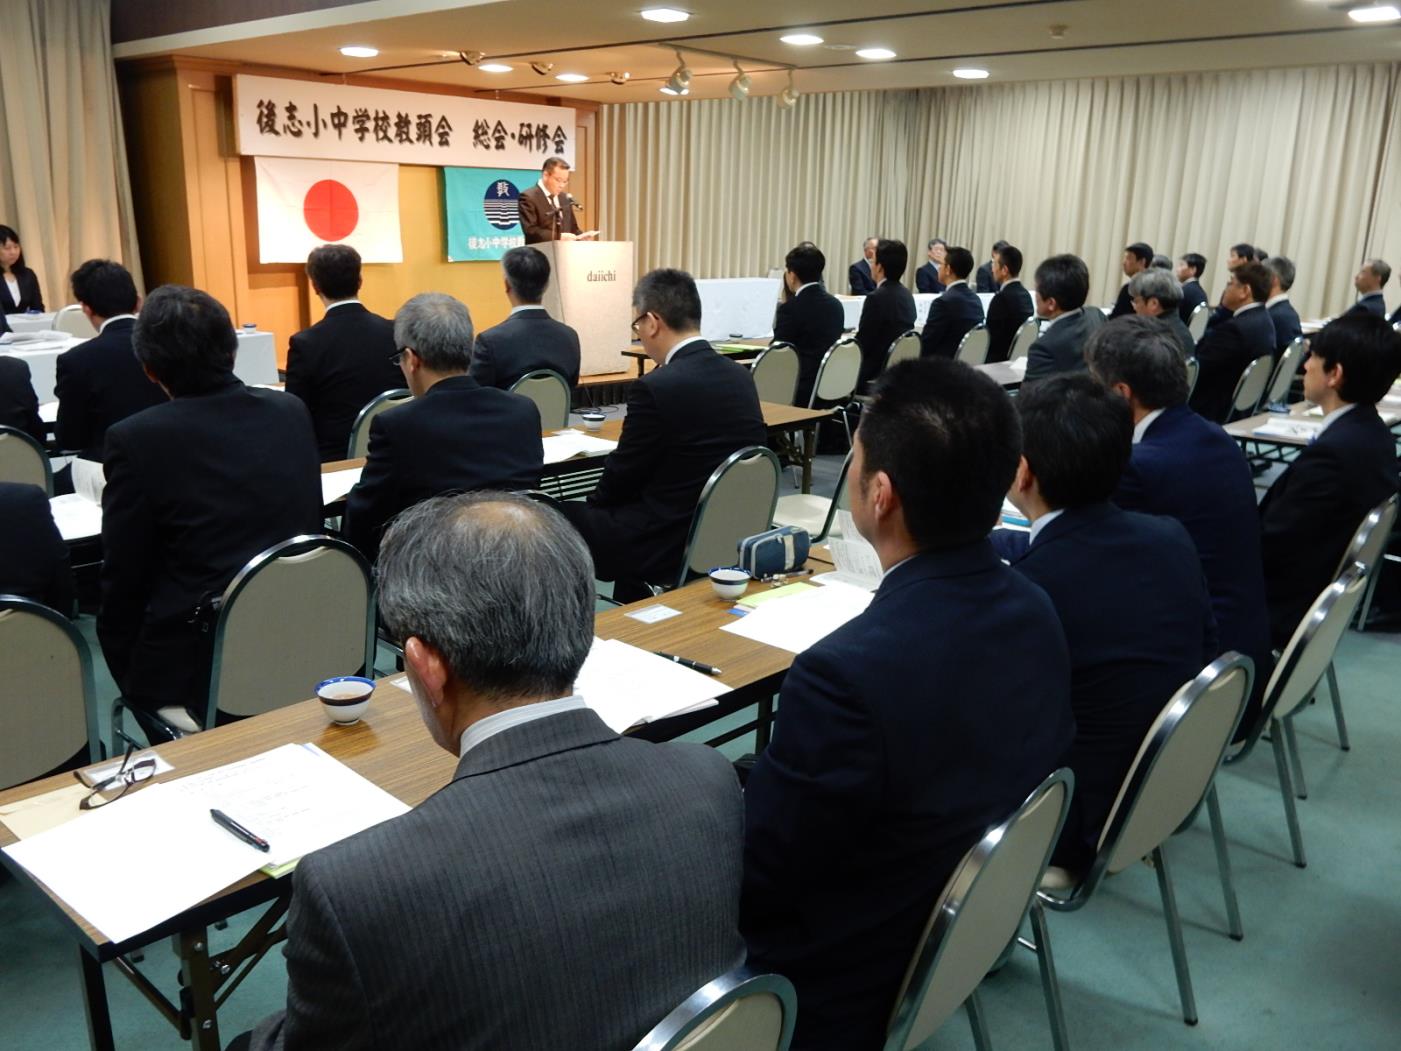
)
(680, 81)
(788, 97)
(739, 87)
(619, 78)
(472, 58)
(543, 68)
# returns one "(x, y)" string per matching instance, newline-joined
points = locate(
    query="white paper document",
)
(856, 560)
(797, 622)
(626, 685)
(1289, 427)
(565, 445)
(336, 485)
(77, 517)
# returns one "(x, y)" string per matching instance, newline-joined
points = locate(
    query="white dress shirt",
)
(684, 343)
(1141, 427)
(116, 317)
(492, 725)
(1328, 421)
(1048, 322)
(1249, 306)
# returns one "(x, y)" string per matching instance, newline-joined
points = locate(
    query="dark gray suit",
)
(525, 341)
(1061, 347)
(567, 889)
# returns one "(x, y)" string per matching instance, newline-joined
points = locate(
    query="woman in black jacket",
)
(19, 286)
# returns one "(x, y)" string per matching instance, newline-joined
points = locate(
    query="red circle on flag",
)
(331, 211)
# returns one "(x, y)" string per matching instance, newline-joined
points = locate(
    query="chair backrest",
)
(551, 394)
(360, 429)
(1372, 535)
(48, 704)
(1250, 388)
(1196, 324)
(978, 913)
(1285, 368)
(1025, 337)
(738, 501)
(973, 348)
(905, 348)
(841, 501)
(1193, 369)
(739, 1011)
(836, 376)
(22, 459)
(299, 612)
(72, 321)
(1174, 766)
(775, 373)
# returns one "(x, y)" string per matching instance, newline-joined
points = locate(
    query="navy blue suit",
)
(1007, 312)
(100, 383)
(1371, 303)
(1223, 353)
(812, 321)
(860, 279)
(1286, 322)
(901, 737)
(951, 317)
(1193, 296)
(1123, 303)
(983, 280)
(1134, 606)
(927, 279)
(526, 341)
(887, 314)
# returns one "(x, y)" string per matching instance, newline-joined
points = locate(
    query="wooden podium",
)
(590, 290)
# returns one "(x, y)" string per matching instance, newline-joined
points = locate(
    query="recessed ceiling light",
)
(971, 73)
(801, 39)
(495, 67)
(572, 78)
(875, 53)
(1375, 13)
(359, 51)
(664, 14)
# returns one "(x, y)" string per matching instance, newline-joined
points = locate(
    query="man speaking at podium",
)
(547, 212)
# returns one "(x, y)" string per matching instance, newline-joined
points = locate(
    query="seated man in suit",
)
(890, 759)
(341, 363)
(1189, 271)
(529, 339)
(196, 487)
(927, 279)
(811, 318)
(19, 406)
(955, 313)
(100, 382)
(986, 280)
(684, 419)
(454, 436)
(1156, 293)
(1193, 471)
(1312, 510)
(1227, 348)
(1010, 307)
(546, 210)
(1282, 313)
(1369, 281)
(1240, 254)
(888, 313)
(1138, 257)
(1062, 286)
(562, 864)
(860, 275)
(33, 556)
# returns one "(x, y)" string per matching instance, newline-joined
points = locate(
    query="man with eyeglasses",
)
(454, 436)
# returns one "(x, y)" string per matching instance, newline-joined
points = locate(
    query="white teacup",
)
(729, 583)
(345, 697)
(593, 421)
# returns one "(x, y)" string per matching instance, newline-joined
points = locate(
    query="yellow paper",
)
(758, 598)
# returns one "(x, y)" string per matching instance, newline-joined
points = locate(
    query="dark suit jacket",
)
(1007, 312)
(859, 278)
(33, 557)
(927, 279)
(887, 314)
(1395, 318)
(901, 737)
(337, 366)
(950, 318)
(19, 406)
(1181, 333)
(1286, 322)
(1371, 303)
(1222, 355)
(1134, 606)
(983, 281)
(524, 342)
(812, 321)
(1123, 303)
(538, 219)
(4, 323)
(683, 420)
(30, 298)
(567, 889)
(99, 383)
(1311, 511)
(1193, 296)
(1061, 348)
(195, 488)
(458, 437)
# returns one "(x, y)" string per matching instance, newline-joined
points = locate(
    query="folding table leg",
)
(95, 1002)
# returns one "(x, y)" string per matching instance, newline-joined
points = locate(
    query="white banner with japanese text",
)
(276, 117)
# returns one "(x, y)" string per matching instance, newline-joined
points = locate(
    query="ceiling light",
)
(875, 53)
(543, 68)
(788, 97)
(471, 57)
(359, 51)
(495, 67)
(801, 39)
(619, 78)
(971, 73)
(680, 81)
(572, 78)
(739, 87)
(664, 14)
(1375, 13)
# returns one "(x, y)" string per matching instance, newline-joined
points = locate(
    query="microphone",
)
(575, 204)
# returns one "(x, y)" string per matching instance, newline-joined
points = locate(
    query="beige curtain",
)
(64, 184)
(1304, 162)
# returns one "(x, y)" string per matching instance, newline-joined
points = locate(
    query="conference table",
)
(1299, 426)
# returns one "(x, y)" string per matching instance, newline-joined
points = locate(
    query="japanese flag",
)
(305, 203)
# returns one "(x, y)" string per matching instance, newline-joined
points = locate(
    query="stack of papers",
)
(796, 623)
(856, 560)
(565, 445)
(1296, 427)
(627, 686)
(77, 518)
(336, 485)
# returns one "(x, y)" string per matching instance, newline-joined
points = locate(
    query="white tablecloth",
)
(737, 306)
(30, 322)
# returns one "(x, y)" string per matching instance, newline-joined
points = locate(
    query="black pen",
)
(225, 822)
(686, 662)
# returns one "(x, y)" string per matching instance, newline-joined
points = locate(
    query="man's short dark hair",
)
(1064, 278)
(1245, 251)
(936, 241)
(551, 163)
(1255, 277)
(1161, 262)
(105, 288)
(527, 271)
(1142, 252)
(334, 270)
(185, 339)
(1196, 262)
(998, 245)
(1076, 436)
(671, 295)
(1368, 349)
(1143, 354)
(893, 257)
(1011, 258)
(948, 438)
(1283, 268)
(806, 261)
(961, 261)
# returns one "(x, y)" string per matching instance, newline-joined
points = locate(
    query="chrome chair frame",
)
(1277, 393)
(547, 374)
(38, 450)
(1193, 371)
(844, 341)
(1238, 409)
(748, 452)
(715, 996)
(372, 408)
